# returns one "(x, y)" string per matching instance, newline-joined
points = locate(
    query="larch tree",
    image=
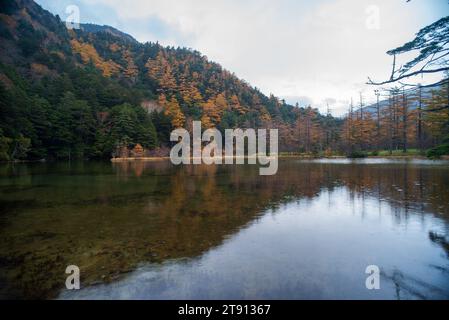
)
(173, 110)
(236, 106)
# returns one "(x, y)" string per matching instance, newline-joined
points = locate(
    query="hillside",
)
(85, 93)
(94, 28)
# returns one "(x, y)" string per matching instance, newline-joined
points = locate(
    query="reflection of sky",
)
(314, 248)
(306, 51)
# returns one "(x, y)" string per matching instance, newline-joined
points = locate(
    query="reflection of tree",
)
(405, 188)
(111, 220)
(410, 287)
(440, 240)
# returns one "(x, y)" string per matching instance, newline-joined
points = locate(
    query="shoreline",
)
(299, 157)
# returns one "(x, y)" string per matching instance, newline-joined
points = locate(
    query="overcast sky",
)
(312, 52)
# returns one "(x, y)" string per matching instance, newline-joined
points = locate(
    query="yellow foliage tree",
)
(131, 70)
(235, 105)
(221, 103)
(159, 69)
(189, 92)
(162, 101)
(89, 54)
(211, 110)
(173, 110)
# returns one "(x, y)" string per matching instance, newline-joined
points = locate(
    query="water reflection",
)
(150, 230)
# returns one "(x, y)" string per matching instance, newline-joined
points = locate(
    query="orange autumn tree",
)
(174, 112)
(221, 103)
(348, 132)
(436, 121)
(368, 131)
(308, 131)
(236, 106)
(162, 101)
(88, 54)
(189, 92)
(131, 70)
(160, 70)
(211, 112)
(265, 117)
(168, 81)
(206, 122)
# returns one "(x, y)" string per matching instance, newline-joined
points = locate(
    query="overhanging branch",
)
(371, 82)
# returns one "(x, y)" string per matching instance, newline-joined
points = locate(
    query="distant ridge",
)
(95, 28)
(426, 93)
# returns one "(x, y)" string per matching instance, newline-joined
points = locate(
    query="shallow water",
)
(155, 231)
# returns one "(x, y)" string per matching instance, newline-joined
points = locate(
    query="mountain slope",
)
(79, 93)
(94, 28)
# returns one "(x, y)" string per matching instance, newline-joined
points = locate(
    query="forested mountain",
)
(90, 92)
(82, 93)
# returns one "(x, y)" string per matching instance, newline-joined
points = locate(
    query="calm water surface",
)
(155, 231)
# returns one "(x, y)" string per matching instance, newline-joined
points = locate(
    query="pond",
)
(151, 230)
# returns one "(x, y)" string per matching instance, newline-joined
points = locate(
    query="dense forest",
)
(87, 93)
(407, 119)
